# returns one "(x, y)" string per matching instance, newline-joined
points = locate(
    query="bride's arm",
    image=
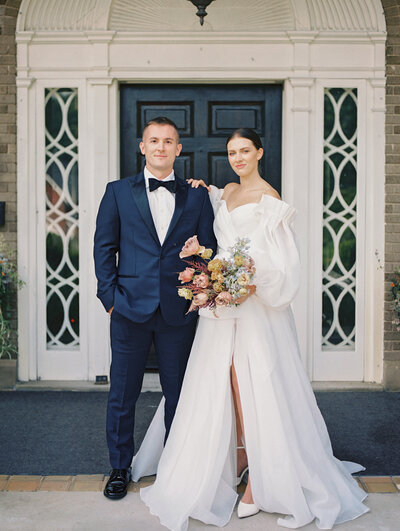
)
(278, 265)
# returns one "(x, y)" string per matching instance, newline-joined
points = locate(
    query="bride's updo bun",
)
(245, 132)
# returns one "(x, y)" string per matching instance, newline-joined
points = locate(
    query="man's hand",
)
(110, 311)
(197, 182)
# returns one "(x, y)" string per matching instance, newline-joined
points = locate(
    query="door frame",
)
(98, 69)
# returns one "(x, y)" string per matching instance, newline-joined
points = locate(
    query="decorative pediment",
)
(179, 15)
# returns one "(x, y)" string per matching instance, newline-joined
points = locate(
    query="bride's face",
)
(243, 156)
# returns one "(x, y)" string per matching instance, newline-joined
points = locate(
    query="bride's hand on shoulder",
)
(198, 182)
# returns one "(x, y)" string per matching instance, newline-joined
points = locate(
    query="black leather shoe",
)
(117, 486)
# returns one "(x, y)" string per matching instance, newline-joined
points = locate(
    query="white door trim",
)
(96, 61)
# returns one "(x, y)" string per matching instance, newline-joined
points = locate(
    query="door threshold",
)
(346, 386)
(151, 382)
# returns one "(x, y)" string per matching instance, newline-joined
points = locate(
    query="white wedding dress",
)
(292, 468)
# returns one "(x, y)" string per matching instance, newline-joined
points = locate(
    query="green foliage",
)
(9, 284)
(395, 288)
(7, 345)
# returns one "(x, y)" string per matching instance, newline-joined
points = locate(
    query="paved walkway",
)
(49, 503)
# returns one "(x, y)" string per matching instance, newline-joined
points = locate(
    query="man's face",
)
(160, 145)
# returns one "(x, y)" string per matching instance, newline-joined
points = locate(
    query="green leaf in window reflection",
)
(347, 249)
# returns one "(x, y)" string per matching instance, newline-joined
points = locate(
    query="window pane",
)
(339, 219)
(62, 218)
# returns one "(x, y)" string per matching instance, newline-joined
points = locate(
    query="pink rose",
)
(192, 308)
(201, 281)
(223, 299)
(190, 248)
(187, 275)
(200, 299)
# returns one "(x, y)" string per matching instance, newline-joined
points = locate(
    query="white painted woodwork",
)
(95, 44)
(223, 15)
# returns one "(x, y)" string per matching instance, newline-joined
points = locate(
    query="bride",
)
(246, 402)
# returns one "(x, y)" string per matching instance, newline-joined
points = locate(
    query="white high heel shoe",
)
(245, 510)
(243, 472)
(239, 478)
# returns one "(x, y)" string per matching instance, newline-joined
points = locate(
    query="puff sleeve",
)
(277, 258)
(215, 195)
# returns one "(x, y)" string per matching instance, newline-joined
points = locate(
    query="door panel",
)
(205, 116)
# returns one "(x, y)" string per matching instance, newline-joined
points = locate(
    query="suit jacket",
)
(135, 273)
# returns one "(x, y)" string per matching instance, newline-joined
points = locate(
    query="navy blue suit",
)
(138, 276)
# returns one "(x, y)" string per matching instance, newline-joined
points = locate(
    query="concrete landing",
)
(87, 511)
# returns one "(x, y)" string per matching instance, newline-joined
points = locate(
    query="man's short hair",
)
(161, 120)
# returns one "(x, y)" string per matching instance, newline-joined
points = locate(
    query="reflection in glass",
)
(62, 217)
(339, 219)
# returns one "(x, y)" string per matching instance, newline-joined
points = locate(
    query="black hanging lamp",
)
(201, 8)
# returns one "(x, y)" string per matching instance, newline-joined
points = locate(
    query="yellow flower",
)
(185, 293)
(218, 276)
(239, 260)
(243, 291)
(244, 279)
(215, 265)
(218, 287)
(206, 254)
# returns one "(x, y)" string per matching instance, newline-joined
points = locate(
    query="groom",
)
(142, 224)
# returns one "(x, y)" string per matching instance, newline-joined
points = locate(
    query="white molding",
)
(187, 37)
(26, 222)
(96, 60)
(336, 365)
(298, 135)
(375, 229)
(331, 15)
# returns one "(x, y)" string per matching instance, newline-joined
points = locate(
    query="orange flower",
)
(392, 284)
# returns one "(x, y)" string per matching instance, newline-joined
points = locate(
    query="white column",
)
(296, 191)
(375, 231)
(101, 170)
(26, 223)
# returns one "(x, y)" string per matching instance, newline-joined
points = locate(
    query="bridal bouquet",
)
(217, 282)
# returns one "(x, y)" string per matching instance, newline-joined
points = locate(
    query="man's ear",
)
(141, 145)
(178, 150)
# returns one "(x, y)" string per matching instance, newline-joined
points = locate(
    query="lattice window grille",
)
(339, 219)
(62, 218)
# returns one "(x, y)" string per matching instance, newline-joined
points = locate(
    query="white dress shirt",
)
(162, 204)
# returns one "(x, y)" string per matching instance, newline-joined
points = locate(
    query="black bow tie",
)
(169, 185)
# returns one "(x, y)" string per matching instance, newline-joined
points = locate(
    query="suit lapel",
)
(139, 194)
(180, 201)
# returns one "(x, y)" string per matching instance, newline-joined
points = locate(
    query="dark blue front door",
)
(205, 115)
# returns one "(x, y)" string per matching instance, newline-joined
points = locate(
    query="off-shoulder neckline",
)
(251, 203)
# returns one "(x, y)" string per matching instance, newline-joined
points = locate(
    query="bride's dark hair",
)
(245, 132)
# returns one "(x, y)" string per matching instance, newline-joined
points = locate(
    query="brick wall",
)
(8, 157)
(8, 129)
(391, 365)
